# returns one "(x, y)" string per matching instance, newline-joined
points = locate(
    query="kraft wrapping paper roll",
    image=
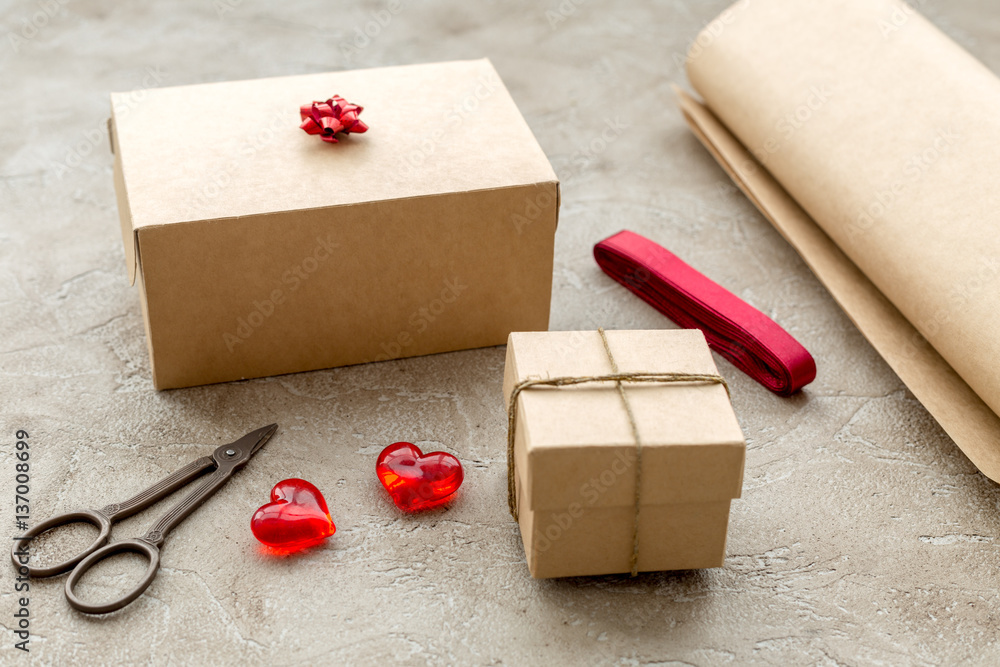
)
(870, 140)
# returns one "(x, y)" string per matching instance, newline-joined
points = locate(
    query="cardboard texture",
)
(262, 250)
(866, 136)
(575, 454)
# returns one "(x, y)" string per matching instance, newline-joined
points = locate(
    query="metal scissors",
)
(225, 461)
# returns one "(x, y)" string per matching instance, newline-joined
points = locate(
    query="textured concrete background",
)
(864, 536)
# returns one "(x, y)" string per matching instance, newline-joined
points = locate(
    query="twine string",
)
(634, 558)
(618, 378)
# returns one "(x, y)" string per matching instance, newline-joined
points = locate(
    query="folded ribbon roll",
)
(328, 118)
(748, 338)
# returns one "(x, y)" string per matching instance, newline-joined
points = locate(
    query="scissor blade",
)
(263, 435)
(239, 452)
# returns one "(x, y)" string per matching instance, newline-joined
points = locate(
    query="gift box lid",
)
(225, 150)
(574, 444)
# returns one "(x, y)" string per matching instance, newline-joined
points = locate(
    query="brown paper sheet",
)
(867, 137)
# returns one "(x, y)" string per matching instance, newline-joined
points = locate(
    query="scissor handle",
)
(138, 546)
(95, 517)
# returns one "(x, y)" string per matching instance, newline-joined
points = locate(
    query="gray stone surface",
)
(863, 537)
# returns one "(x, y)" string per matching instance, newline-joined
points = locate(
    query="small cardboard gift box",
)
(263, 250)
(575, 460)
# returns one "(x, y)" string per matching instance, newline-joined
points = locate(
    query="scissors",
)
(223, 462)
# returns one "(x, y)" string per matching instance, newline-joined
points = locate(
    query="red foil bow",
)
(328, 118)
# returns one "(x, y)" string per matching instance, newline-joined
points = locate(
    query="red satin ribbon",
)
(748, 338)
(328, 118)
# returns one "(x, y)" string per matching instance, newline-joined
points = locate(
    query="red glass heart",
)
(297, 517)
(416, 480)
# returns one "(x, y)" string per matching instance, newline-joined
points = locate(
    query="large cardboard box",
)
(261, 250)
(575, 456)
